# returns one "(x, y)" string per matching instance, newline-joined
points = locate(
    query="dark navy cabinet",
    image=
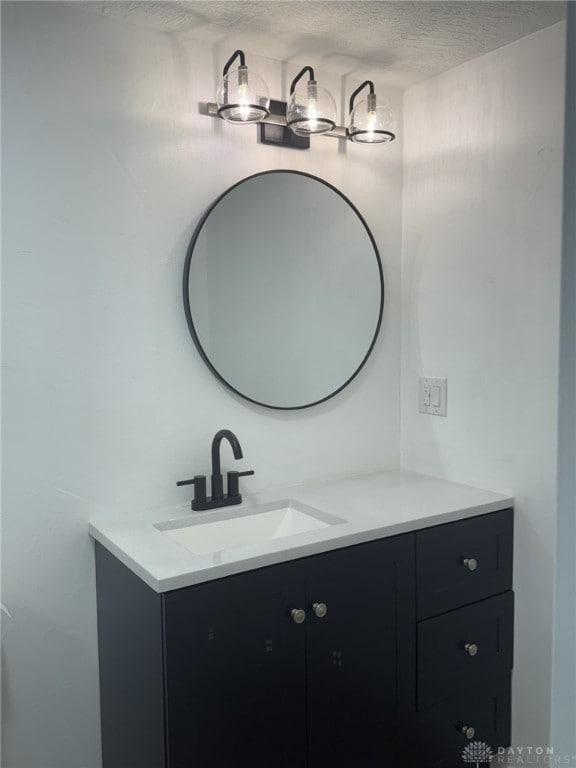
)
(361, 656)
(234, 678)
(235, 670)
(464, 640)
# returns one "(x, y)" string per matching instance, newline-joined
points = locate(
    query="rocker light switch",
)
(432, 396)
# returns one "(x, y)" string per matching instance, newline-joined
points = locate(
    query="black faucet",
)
(218, 499)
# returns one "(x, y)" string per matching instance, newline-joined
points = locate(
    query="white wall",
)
(481, 272)
(107, 166)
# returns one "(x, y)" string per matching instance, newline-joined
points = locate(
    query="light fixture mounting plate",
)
(280, 135)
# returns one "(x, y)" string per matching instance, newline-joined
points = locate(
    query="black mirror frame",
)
(188, 312)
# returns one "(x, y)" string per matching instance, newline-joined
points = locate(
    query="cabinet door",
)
(361, 654)
(235, 672)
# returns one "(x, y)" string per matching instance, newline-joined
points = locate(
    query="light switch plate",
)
(432, 396)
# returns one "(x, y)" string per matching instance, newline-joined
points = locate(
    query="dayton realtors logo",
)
(477, 753)
(519, 756)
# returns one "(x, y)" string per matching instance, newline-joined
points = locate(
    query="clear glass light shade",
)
(243, 97)
(371, 124)
(311, 109)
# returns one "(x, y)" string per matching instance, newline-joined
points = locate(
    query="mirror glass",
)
(283, 289)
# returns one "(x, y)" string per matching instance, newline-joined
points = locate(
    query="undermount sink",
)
(222, 530)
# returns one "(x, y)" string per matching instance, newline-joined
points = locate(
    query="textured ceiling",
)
(413, 40)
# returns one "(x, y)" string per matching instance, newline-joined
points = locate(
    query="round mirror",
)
(283, 289)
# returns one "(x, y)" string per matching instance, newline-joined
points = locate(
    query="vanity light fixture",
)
(370, 123)
(242, 98)
(311, 109)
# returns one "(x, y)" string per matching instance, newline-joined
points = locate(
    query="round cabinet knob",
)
(471, 649)
(468, 731)
(298, 615)
(320, 609)
(470, 563)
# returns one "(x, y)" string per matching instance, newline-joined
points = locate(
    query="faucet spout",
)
(217, 486)
(218, 499)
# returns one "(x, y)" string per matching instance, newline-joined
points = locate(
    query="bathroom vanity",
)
(383, 639)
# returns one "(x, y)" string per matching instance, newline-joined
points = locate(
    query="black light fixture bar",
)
(299, 76)
(309, 111)
(236, 55)
(368, 83)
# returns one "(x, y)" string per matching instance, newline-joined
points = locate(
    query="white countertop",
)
(372, 506)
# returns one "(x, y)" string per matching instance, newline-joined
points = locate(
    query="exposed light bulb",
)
(371, 117)
(371, 126)
(312, 106)
(243, 100)
(312, 116)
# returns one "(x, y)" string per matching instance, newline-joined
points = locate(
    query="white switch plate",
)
(432, 396)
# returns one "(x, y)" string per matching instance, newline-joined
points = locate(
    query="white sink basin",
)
(223, 529)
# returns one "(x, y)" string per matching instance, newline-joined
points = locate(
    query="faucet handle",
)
(233, 485)
(199, 483)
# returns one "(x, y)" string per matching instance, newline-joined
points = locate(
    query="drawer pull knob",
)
(471, 649)
(320, 609)
(468, 731)
(470, 563)
(298, 614)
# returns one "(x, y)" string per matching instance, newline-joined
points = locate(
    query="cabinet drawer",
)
(463, 562)
(462, 649)
(436, 738)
